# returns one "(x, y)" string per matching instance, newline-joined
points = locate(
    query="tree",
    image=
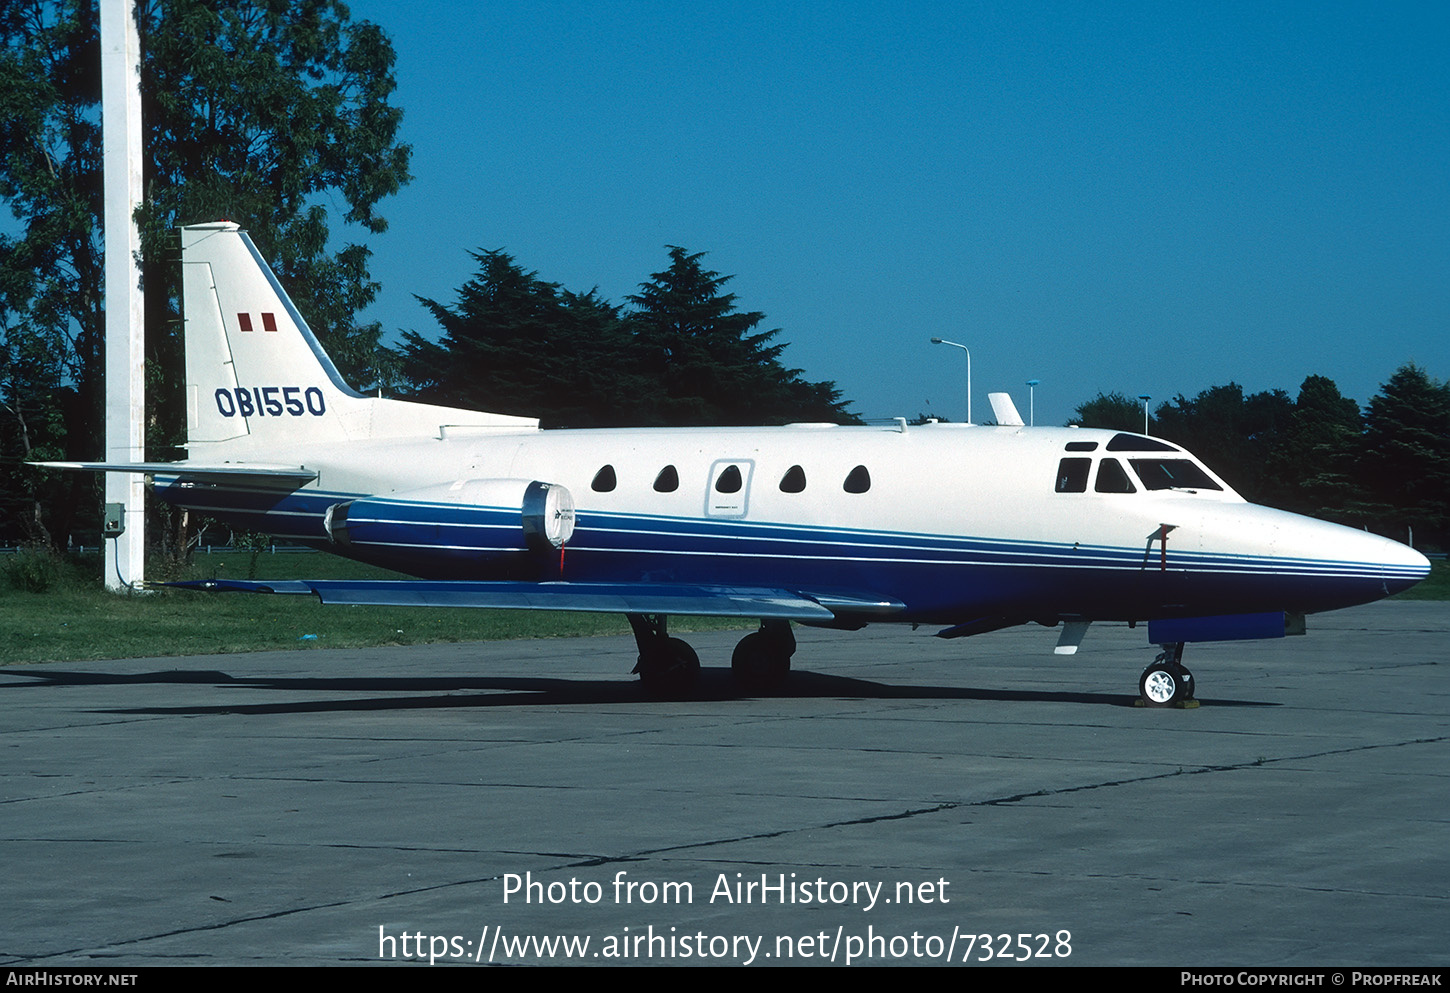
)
(515, 344)
(1407, 454)
(1112, 411)
(267, 113)
(1316, 456)
(33, 396)
(708, 362)
(1233, 434)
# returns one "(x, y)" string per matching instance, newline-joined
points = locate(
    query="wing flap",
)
(194, 470)
(605, 598)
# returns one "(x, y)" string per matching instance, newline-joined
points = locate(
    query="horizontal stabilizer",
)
(605, 598)
(193, 470)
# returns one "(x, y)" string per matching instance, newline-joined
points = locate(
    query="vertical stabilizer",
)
(253, 369)
(257, 376)
(1004, 411)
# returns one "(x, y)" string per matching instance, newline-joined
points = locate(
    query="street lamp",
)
(943, 341)
(1032, 402)
(1145, 398)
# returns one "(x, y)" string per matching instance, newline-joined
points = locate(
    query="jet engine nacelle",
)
(457, 519)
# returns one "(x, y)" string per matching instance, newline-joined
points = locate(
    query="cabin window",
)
(794, 480)
(1172, 474)
(1081, 446)
(1112, 478)
(668, 480)
(858, 481)
(730, 480)
(1072, 475)
(604, 481)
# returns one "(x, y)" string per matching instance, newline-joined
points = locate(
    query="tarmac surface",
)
(902, 795)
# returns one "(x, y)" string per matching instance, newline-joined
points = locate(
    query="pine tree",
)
(1407, 454)
(709, 363)
(515, 344)
(1315, 459)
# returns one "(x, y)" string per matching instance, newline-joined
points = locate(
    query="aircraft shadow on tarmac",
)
(438, 692)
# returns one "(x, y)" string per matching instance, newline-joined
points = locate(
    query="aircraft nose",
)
(1310, 565)
(1393, 565)
(1401, 566)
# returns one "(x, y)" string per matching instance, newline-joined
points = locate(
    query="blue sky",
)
(1150, 198)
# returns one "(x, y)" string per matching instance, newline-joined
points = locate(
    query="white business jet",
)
(974, 528)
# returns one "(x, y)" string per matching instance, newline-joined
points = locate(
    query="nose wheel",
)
(1167, 682)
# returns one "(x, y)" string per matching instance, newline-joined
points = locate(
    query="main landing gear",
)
(1167, 682)
(669, 667)
(762, 660)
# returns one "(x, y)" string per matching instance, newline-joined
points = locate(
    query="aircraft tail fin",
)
(1005, 411)
(255, 373)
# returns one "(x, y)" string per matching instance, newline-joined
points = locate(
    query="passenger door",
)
(729, 493)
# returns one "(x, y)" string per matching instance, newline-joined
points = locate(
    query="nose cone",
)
(1351, 566)
(1393, 563)
(1307, 565)
(1401, 565)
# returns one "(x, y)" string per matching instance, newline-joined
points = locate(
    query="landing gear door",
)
(729, 493)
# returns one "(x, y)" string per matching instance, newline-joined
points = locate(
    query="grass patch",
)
(1435, 586)
(76, 619)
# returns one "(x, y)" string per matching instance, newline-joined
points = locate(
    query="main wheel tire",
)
(672, 669)
(758, 663)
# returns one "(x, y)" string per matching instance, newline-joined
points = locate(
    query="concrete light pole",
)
(125, 517)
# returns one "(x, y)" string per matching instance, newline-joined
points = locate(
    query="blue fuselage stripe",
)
(937, 576)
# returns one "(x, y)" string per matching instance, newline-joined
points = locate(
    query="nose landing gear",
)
(1167, 682)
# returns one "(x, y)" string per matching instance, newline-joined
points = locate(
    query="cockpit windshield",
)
(1172, 474)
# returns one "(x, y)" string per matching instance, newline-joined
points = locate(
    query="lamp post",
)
(1032, 402)
(1145, 398)
(943, 341)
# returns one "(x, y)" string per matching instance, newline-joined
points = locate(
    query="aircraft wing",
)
(194, 470)
(608, 598)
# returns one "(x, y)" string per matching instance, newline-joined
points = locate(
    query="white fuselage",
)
(954, 521)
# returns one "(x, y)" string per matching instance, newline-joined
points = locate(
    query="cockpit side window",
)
(1072, 475)
(1112, 478)
(1169, 474)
